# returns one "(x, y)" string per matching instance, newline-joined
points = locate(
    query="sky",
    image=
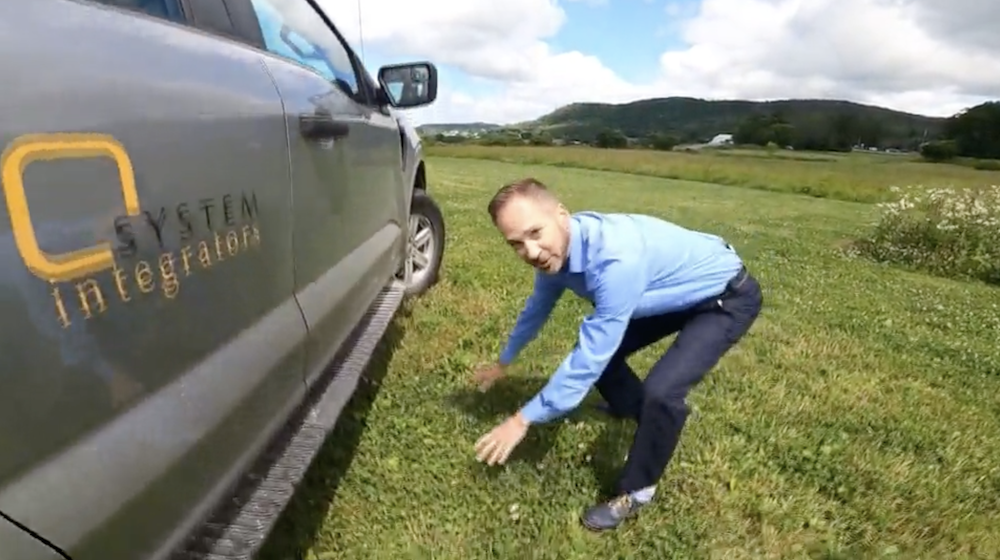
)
(514, 60)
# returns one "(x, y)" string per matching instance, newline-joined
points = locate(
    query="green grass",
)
(858, 177)
(858, 419)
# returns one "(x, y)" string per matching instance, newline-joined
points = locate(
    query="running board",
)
(238, 529)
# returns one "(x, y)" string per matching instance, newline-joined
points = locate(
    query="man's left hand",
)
(494, 448)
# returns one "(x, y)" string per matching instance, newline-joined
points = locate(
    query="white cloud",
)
(499, 40)
(866, 50)
(505, 42)
(916, 55)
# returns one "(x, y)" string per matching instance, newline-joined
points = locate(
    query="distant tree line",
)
(973, 133)
(828, 132)
(616, 139)
(499, 137)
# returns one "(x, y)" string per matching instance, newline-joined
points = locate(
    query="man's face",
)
(537, 230)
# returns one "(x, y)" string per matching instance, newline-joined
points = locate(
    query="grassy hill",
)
(693, 120)
(698, 120)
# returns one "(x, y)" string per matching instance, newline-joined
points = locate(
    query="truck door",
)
(152, 342)
(345, 169)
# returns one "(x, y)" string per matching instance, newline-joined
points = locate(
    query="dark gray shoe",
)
(610, 514)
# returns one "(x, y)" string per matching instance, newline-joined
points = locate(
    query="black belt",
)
(737, 281)
(732, 286)
(715, 302)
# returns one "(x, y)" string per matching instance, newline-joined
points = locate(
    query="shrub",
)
(986, 164)
(663, 142)
(940, 150)
(945, 231)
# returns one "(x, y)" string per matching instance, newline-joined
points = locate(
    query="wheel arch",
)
(420, 177)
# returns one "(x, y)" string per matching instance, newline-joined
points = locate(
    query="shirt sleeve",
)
(536, 312)
(619, 285)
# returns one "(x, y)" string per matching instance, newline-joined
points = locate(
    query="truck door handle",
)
(322, 126)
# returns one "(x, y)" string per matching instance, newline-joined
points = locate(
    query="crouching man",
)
(647, 279)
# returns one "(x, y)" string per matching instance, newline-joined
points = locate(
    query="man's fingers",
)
(495, 447)
(485, 448)
(491, 450)
(499, 455)
(483, 440)
(482, 454)
(502, 454)
(485, 378)
(483, 381)
(489, 455)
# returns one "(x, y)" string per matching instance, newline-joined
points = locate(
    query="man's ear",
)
(563, 217)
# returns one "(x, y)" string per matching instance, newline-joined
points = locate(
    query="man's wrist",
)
(519, 417)
(533, 412)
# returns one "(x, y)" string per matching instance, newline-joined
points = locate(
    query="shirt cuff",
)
(505, 358)
(508, 354)
(535, 412)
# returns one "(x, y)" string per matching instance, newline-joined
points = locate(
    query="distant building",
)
(721, 140)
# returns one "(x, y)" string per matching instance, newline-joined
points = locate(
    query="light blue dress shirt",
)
(628, 266)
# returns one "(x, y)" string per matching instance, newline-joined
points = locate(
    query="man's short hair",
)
(529, 186)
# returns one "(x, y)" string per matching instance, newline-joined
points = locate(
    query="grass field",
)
(859, 177)
(858, 419)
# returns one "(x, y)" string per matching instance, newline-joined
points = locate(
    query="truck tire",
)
(425, 245)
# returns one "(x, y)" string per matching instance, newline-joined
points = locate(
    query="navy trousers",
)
(705, 332)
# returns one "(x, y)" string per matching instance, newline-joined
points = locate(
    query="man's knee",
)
(667, 397)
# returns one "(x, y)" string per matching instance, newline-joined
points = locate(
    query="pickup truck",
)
(213, 212)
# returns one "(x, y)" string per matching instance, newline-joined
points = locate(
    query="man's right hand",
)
(486, 376)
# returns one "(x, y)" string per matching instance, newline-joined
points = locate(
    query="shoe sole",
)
(593, 528)
(597, 529)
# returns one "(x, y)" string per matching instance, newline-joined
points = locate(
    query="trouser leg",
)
(619, 385)
(706, 336)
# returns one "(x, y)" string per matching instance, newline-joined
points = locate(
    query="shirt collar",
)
(575, 262)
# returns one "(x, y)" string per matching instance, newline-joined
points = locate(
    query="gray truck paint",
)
(16, 544)
(359, 227)
(253, 256)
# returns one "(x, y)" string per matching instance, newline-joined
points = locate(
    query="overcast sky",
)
(505, 61)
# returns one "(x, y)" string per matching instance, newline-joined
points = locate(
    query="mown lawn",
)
(858, 419)
(858, 176)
